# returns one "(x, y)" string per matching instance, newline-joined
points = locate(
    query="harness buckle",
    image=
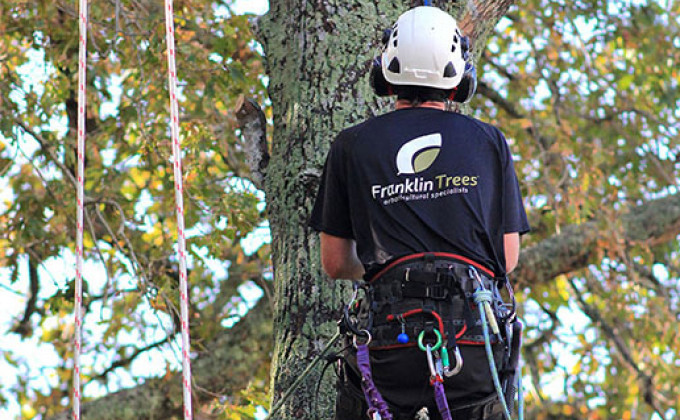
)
(436, 291)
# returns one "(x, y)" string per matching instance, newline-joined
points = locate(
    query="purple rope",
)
(440, 399)
(376, 403)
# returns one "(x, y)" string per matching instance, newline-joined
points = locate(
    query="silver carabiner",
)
(368, 338)
(430, 361)
(448, 372)
(472, 272)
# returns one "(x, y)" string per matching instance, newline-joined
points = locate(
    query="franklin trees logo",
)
(418, 154)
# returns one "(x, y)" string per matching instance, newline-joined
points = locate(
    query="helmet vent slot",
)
(395, 67)
(450, 70)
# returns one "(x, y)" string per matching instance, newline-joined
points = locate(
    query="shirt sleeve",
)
(515, 216)
(331, 212)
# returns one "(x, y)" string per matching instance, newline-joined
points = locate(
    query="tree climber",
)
(425, 205)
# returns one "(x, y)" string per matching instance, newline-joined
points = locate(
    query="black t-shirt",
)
(421, 180)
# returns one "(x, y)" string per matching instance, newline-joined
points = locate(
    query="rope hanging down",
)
(172, 79)
(181, 241)
(82, 80)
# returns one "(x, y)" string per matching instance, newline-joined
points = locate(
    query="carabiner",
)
(448, 372)
(355, 294)
(362, 332)
(434, 375)
(472, 272)
(486, 302)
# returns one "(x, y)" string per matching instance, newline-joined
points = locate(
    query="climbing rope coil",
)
(179, 206)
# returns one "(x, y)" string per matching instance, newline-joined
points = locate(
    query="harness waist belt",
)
(425, 293)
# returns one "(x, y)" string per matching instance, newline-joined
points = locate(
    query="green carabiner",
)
(445, 358)
(436, 346)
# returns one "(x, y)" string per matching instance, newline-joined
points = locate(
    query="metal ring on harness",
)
(436, 346)
(363, 333)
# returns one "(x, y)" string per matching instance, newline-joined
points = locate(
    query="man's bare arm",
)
(339, 257)
(511, 242)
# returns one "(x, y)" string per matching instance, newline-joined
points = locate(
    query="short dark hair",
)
(419, 94)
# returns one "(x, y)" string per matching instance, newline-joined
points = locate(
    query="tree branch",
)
(253, 124)
(46, 147)
(127, 360)
(495, 97)
(653, 223)
(24, 327)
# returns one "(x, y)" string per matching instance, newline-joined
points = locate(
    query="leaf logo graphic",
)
(418, 154)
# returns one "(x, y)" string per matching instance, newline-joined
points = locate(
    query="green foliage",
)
(249, 400)
(130, 230)
(587, 93)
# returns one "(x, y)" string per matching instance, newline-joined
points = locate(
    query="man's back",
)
(422, 180)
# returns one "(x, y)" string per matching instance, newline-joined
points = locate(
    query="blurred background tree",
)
(586, 92)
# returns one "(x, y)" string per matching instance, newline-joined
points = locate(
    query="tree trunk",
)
(318, 54)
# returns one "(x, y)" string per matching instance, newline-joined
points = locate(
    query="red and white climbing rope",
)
(176, 151)
(181, 241)
(82, 61)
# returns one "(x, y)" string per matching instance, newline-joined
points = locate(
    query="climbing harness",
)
(181, 241)
(443, 288)
(358, 322)
(82, 80)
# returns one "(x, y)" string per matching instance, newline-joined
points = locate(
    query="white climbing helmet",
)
(424, 49)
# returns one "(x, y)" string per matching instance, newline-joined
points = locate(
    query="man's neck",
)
(403, 104)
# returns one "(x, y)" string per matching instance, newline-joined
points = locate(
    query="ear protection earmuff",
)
(380, 85)
(468, 84)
